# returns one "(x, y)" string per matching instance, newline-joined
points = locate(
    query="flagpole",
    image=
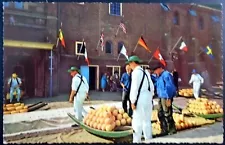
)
(151, 58)
(200, 52)
(118, 57)
(80, 49)
(135, 46)
(98, 44)
(175, 44)
(138, 39)
(117, 30)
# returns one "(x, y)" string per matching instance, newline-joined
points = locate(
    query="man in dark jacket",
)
(175, 79)
(125, 83)
(165, 91)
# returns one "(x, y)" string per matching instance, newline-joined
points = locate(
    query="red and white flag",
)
(158, 56)
(183, 47)
(123, 27)
(85, 55)
(124, 52)
(102, 41)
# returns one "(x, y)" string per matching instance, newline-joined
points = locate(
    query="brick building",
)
(198, 25)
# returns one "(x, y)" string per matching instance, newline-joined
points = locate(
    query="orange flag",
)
(142, 42)
(61, 38)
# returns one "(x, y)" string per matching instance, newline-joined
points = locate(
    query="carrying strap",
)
(81, 80)
(139, 90)
(11, 82)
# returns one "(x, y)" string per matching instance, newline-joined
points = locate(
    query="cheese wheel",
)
(6, 112)
(22, 104)
(17, 104)
(14, 112)
(9, 105)
(10, 108)
(25, 107)
(4, 109)
(19, 107)
(24, 110)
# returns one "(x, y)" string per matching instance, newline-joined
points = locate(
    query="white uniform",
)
(197, 80)
(143, 112)
(81, 95)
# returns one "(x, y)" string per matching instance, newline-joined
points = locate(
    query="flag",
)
(142, 42)
(183, 46)
(208, 51)
(192, 12)
(61, 38)
(215, 19)
(124, 52)
(123, 27)
(85, 54)
(158, 56)
(165, 7)
(102, 41)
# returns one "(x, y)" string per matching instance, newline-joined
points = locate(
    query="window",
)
(115, 9)
(176, 18)
(120, 45)
(80, 48)
(18, 5)
(108, 47)
(201, 23)
(111, 69)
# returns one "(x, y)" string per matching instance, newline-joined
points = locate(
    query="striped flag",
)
(142, 42)
(123, 27)
(183, 46)
(61, 38)
(85, 55)
(102, 41)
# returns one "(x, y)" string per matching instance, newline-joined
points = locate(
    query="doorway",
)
(93, 77)
(24, 67)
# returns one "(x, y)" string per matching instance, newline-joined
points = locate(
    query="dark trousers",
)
(165, 115)
(125, 98)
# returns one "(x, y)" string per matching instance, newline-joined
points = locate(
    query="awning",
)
(27, 44)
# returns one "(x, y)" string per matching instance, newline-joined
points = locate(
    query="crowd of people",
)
(110, 83)
(139, 86)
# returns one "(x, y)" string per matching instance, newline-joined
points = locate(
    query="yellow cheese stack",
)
(14, 108)
(106, 118)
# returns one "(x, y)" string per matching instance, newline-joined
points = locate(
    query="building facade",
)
(159, 28)
(26, 44)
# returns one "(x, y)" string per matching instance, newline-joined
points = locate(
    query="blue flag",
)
(215, 18)
(165, 7)
(208, 51)
(193, 13)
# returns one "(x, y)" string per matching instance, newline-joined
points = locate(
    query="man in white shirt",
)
(79, 92)
(14, 84)
(197, 81)
(141, 94)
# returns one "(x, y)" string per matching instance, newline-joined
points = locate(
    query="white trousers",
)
(78, 105)
(196, 89)
(141, 122)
